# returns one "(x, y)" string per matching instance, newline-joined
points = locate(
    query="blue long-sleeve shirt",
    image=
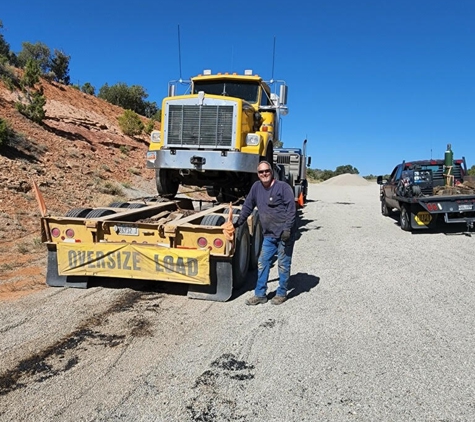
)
(276, 205)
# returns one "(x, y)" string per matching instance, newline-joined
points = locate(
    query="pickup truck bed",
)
(422, 197)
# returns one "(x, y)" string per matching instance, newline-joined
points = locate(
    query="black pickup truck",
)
(425, 191)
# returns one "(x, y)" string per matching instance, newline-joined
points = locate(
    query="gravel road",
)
(379, 327)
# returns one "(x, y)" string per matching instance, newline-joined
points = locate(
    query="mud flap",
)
(221, 287)
(53, 279)
(421, 219)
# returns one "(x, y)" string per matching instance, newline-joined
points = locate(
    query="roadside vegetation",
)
(38, 61)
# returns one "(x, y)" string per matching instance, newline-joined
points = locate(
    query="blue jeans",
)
(270, 247)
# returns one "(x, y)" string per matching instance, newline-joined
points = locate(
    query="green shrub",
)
(87, 88)
(111, 189)
(130, 123)
(6, 132)
(149, 126)
(124, 149)
(32, 73)
(9, 82)
(35, 109)
(134, 171)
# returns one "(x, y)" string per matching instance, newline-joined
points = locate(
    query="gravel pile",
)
(347, 179)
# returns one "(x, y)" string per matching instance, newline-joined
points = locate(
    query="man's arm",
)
(291, 210)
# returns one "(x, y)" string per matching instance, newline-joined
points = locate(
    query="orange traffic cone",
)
(300, 200)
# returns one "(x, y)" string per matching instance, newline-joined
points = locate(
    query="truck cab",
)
(215, 134)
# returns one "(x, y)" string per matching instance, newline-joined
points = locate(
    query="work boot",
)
(278, 300)
(256, 300)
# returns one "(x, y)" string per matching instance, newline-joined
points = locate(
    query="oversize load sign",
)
(129, 260)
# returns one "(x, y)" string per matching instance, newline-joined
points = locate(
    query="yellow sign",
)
(132, 260)
(423, 218)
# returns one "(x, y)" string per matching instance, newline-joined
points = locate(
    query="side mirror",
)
(380, 180)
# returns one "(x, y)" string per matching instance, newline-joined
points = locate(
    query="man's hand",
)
(228, 230)
(285, 236)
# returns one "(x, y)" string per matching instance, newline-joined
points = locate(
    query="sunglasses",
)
(263, 171)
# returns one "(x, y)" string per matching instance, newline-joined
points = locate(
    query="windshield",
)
(245, 91)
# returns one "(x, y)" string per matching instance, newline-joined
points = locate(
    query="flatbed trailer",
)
(425, 211)
(424, 191)
(160, 240)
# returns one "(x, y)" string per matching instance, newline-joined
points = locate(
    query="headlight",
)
(252, 139)
(155, 136)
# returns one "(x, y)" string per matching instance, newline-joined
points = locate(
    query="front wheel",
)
(166, 186)
(405, 218)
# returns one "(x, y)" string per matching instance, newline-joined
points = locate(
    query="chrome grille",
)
(209, 126)
(283, 159)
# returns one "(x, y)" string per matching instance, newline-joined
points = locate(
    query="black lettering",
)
(168, 263)
(82, 258)
(72, 259)
(126, 261)
(119, 261)
(180, 266)
(90, 259)
(192, 264)
(101, 262)
(111, 262)
(158, 267)
(136, 261)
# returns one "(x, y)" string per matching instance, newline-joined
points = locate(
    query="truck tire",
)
(136, 205)
(236, 211)
(240, 261)
(78, 212)
(405, 218)
(384, 208)
(213, 220)
(256, 240)
(99, 212)
(212, 191)
(119, 204)
(165, 185)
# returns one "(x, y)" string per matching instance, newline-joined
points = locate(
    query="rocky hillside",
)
(77, 157)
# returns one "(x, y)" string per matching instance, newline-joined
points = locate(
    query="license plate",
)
(126, 230)
(465, 207)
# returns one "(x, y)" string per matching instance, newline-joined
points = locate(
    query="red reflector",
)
(55, 232)
(202, 242)
(264, 129)
(218, 243)
(70, 233)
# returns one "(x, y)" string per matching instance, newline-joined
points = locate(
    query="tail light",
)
(202, 242)
(218, 243)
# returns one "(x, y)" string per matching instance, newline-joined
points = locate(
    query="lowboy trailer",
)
(161, 240)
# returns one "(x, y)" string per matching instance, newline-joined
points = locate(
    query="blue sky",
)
(370, 82)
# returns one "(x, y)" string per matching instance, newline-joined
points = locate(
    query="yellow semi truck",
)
(152, 239)
(215, 134)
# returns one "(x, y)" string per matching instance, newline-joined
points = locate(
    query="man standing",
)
(275, 202)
